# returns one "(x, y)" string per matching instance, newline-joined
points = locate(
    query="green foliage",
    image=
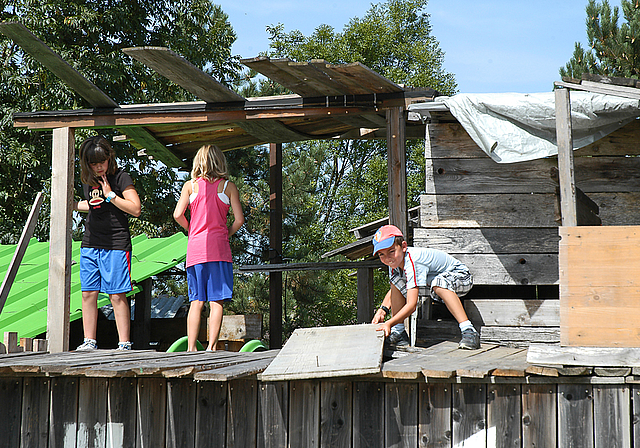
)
(89, 35)
(614, 48)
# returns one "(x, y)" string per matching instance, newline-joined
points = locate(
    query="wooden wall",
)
(69, 411)
(501, 219)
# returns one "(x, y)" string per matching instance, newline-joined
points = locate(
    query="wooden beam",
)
(275, 244)
(272, 131)
(182, 72)
(365, 295)
(59, 290)
(565, 158)
(328, 266)
(397, 168)
(147, 140)
(141, 328)
(51, 60)
(21, 248)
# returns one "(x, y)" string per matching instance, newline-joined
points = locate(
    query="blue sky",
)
(490, 46)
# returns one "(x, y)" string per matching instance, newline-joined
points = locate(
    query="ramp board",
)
(325, 352)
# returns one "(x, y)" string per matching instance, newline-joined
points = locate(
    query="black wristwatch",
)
(385, 309)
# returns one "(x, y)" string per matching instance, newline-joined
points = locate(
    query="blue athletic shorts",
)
(211, 281)
(105, 270)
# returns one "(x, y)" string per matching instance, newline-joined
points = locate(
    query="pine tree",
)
(614, 49)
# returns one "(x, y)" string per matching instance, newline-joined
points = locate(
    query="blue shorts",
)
(105, 270)
(211, 281)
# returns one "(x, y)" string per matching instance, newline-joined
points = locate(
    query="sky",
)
(491, 46)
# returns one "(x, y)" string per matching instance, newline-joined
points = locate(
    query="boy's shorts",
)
(211, 281)
(105, 270)
(458, 280)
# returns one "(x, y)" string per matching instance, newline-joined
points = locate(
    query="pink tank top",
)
(208, 233)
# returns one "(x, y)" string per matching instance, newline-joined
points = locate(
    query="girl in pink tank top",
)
(208, 195)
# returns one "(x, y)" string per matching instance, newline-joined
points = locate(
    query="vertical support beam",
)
(397, 168)
(565, 158)
(275, 244)
(141, 328)
(59, 291)
(364, 314)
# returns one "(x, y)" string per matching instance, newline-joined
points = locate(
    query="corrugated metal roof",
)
(26, 308)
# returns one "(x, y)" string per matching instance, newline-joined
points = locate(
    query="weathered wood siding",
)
(502, 219)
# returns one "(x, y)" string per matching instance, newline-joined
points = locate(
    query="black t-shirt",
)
(107, 227)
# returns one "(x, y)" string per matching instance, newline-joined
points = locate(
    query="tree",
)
(89, 34)
(614, 49)
(332, 186)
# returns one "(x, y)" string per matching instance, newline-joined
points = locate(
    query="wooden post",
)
(275, 244)
(565, 158)
(397, 169)
(141, 328)
(59, 291)
(364, 313)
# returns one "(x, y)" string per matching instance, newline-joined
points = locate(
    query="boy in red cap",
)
(412, 267)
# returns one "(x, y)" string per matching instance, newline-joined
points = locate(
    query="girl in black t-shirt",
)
(105, 254)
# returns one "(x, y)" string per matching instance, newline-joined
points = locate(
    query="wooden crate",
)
(600, 286)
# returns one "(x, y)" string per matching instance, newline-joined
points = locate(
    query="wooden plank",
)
(275, 244)
(545, 354)
(469, 415)
(612, 415)
(152, 405)
(317, 75)
(516, 269)
(565, 158)
(446, 366)
(575, 415)
(181, 413)
(59, 286)
(599, 293)
(92, 412)
(397, 169)
(272, 131)
(211, 414)
(513, 312)
(11, 399)
(304, 413)
(520, 336)
(368, 414)
(366, 77)
(121, 412)
(242, 413)
(506, 361)
(601, 88)
(434, 415)
(327, 352)
(236, 371)
(154, 147)
(539, 415)
(326, 266)
(504, 415)
(635, 400)
(51, 60)
(365, 295)
(241, 326)
(488, 240)
(21, 248)
(487, 210)
(345, 84)
(64, 412)
(34, 425)
(273, 71)
(336, 411)
(273, 415)
(401, 414)
(11, 342)
(177, 69)
(613, 80)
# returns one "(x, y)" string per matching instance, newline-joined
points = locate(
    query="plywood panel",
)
(327, 352)
(599, 286)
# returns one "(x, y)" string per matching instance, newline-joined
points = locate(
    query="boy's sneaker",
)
(470, 339)
(123, 346)
(398, 338)
(87, 346)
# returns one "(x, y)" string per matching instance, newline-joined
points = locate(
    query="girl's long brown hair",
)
(95, 150)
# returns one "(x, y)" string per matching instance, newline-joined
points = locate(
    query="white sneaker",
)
(124, 346)
(87, 346)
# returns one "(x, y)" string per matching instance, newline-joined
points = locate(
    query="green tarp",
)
(26, 308)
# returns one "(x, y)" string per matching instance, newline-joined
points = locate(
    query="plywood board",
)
(328, 352)
(599, 287)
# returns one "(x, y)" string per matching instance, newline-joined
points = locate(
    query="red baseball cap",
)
(384, 237)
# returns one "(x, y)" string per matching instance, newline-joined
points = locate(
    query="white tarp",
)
(514, 127)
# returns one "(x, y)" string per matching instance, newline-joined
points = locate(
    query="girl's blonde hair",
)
(95, 150)
(210, 164)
